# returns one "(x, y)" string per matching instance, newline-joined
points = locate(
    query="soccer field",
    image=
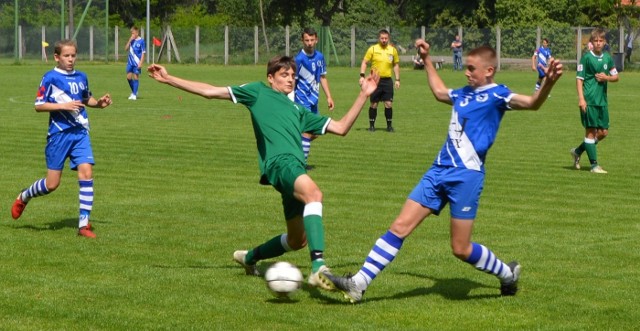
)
(176, 192)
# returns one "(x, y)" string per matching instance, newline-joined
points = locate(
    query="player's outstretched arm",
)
(553, 73)
(205, 90)
(342, 126)
(438, 88)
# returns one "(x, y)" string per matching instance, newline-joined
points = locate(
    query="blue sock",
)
(135, 84)
(130, 81)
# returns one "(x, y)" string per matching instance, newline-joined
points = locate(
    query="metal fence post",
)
(226, 45)
(353, 46)
(197, 55)
(255, 44)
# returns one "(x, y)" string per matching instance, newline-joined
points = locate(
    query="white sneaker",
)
(321, 282)
(576, 158)
(133, 97)
(347, 286)
(249, 269)
(598, 170)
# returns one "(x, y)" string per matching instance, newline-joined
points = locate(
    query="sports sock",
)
(315, 233)
(130, 81)
(592, 153)
(306, 147)
(383, 252)
(135, 85)
(38, 188)
(388, 114)
(373, 113)
(484, 260)
(274, 247)
(580, 149)
(86, 201)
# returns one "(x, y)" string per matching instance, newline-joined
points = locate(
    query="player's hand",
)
(71, 106)
(105, 101)
(601, 77)
(158, 73)
(423, 48)
(582, 104)
(369, 84)
(553, 70)
(330, 104)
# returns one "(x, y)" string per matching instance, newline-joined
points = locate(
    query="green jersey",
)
(278, 122)
(595, 93)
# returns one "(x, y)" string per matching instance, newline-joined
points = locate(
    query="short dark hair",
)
(383, 31)
(57, 49)
(280, 62)
(309, 31)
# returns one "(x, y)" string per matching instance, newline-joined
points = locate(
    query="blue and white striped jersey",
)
(136, 49)
(475, 120)
(543, 54)
(60, 86)
(309, 69)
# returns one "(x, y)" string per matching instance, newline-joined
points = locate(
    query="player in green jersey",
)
(278, 123)
(595, 70)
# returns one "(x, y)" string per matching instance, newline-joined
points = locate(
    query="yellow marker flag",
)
(45, 44)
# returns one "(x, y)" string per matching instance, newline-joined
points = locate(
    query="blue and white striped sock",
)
(38, 188)
(383, 252)
(306, 147)
(86, 201)
(483, 259)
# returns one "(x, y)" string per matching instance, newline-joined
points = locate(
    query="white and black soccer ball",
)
(283, 278)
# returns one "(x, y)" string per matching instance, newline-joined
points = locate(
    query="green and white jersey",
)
(277, 121)
(595, 93)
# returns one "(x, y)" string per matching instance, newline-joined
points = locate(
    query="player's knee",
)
(461, 252)
(297, 244)
(52, 185)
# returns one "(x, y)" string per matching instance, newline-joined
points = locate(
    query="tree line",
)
(334, 13)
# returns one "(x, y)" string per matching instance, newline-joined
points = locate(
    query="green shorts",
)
(281, 172)
(595, 117)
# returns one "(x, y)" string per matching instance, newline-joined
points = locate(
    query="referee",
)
(384, 59)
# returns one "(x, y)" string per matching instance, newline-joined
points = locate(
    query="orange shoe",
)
(18, 207)
(85, 231)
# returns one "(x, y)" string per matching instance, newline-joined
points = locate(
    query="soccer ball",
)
(283, 278)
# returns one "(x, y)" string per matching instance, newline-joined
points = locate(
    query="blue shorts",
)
(133, 69)
(459, 187)
(73, 144)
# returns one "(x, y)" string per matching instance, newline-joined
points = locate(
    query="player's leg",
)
(307, 138)
(40, 187)
(464, 188)
(481, 257)
(56, 152)
(383, 252)
(388, 114)
(130, 74)
(422, 202)
(82, 161)
(135, 83)
(373, 108)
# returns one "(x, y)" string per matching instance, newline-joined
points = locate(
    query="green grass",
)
(176, 193)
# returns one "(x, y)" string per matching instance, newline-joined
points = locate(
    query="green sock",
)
(591, 153)
(315, 239)
(270, 249)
